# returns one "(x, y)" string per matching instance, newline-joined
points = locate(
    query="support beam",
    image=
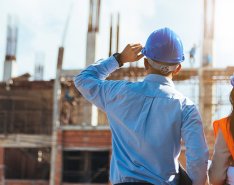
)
(117, 33)
(25, 141)
(93, 28)
(11, 47)
(56, 118)
(206, 90)
(110, 41)
(2, 166)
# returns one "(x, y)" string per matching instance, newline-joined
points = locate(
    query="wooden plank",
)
(22, 140)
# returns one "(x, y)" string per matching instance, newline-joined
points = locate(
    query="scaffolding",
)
(188, 82)
(26, 118)
(49, 124)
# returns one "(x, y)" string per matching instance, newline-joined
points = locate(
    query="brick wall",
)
(87, 138)
(26, 182)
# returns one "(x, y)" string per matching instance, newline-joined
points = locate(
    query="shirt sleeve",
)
(92, 84)
(220, 161)
(196, 148)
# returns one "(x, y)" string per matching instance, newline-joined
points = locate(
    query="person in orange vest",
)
(221, 170)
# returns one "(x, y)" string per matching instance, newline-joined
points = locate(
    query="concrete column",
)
(91, 48)
(2, 166)
(59, 159)
(206, 98)
(9, 70)
(206, 85)
(88, 109)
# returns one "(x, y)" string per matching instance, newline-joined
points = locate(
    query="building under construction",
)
(50, 135)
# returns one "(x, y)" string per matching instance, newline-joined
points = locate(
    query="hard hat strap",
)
(164, 69)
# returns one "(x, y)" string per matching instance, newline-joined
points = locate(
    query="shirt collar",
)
(160, 79)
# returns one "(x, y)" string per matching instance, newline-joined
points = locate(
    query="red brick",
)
(26, 182)
(82, 138)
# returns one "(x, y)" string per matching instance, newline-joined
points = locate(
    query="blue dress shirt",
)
(148, 120)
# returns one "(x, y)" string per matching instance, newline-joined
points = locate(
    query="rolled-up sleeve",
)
(196, 148)
(220, 161)
(92, 84)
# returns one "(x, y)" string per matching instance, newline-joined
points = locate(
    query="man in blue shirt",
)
(148, 119)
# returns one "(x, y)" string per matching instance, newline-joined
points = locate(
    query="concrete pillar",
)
(2, 166)
(11, 46)
(206, 86)
(206, 98)
(91, 48)
(93, 28)
(10, 69)
(58, 173)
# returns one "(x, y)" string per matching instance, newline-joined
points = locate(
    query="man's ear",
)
(177, 70)
(146, 64)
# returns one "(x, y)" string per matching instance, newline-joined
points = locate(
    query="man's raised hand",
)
(131, 53)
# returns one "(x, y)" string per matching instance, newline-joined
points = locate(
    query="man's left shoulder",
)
(180, 96)
(184, 100)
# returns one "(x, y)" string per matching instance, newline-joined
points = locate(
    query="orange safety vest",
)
(224, 125)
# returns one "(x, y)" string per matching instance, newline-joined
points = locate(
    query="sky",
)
(41, 24)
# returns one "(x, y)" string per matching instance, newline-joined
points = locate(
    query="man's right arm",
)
(197, 153)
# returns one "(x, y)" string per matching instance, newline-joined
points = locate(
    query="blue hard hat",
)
(164, 45)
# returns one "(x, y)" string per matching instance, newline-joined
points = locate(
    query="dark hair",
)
(231, 116)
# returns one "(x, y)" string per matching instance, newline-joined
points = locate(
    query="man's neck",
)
(168, 76)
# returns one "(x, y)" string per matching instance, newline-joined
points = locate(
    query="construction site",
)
(50, 135)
